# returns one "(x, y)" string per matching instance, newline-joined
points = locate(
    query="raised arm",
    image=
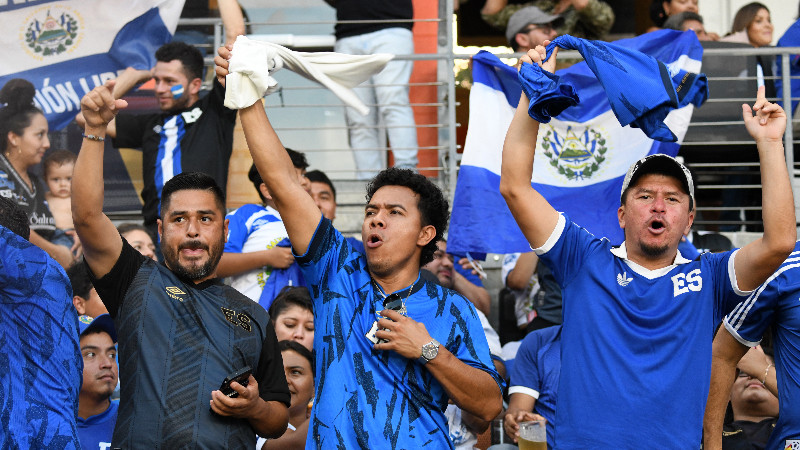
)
(493, 6)
(102, 243)
(129, 79)
(123, 84)
(232, 19)
(759, 259)
(727, 351)
(534, 215)
(299, 212)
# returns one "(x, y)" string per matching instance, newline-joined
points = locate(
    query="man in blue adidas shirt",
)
(40, 361)
(383, 376)
(776, 303)
(181, 331)
(97, 413)
(639, 318)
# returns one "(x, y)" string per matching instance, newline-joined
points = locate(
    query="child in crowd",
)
(57, 167)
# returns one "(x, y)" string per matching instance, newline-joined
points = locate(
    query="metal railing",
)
(712, 175)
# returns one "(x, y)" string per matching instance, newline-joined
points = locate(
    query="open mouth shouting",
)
(657, 226)
(374, 240)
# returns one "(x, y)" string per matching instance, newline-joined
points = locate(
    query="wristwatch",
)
(429, 351)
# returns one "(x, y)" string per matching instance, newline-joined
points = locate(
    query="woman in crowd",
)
(139, 238)
(299, 366)
(751, 25)
(660, 10)
(23, 142)
(292, 315)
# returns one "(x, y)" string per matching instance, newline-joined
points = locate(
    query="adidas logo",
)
(622, 279)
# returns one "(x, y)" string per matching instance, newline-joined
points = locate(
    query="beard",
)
(179, 104)
(653, 251)
(193, 270)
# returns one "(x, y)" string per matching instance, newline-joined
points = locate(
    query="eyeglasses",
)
(545, 28)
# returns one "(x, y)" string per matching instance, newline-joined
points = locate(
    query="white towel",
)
(252, 64)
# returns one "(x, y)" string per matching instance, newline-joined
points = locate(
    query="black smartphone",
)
(242, 376)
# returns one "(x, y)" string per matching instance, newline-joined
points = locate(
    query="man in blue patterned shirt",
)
(384, 379)
(40, 365)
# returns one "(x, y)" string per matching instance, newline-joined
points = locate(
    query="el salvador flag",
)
(581, 155)
(66, 48)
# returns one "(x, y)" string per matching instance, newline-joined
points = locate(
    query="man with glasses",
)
(530, 26)
(587, 19)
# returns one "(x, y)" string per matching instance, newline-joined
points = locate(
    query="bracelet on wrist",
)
(764, 381)
(93, 137)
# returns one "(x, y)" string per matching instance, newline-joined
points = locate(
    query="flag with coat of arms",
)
(66, 48)
(582, 155)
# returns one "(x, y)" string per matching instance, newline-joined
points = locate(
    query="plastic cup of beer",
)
(533, 435)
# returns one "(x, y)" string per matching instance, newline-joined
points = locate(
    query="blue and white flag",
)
(66, 48)
(581, 155)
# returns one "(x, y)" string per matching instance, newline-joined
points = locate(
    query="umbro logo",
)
(175, 292)
(622, 279)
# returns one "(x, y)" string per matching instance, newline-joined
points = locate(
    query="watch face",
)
(430, 350)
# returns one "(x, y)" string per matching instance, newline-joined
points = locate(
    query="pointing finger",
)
(761, 99)
(761, 94)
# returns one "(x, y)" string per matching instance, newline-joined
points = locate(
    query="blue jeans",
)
(60, 237)
(389, 91)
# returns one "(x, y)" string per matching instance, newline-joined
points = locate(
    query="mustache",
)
(193, 245)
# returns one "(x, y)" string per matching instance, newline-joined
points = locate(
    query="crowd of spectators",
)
(376, 336)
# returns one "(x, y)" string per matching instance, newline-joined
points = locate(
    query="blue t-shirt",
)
(95, 431)
(776, 303)
(791, 38)
(40, 363)
(637, 342)
(687, 249)
(378, 399)
(535, 372)
(253, 228)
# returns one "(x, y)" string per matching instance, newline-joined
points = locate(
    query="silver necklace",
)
(387, 300)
